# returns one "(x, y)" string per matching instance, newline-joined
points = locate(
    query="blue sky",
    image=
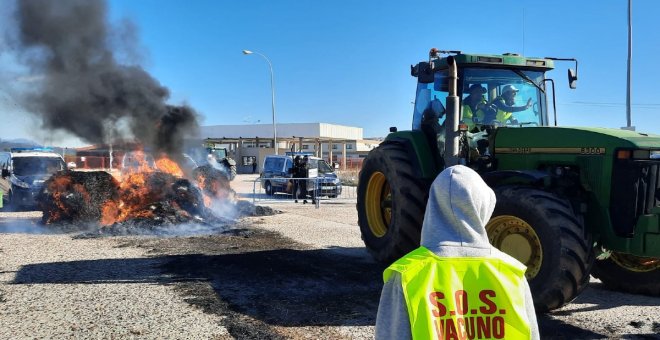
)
(348, 62)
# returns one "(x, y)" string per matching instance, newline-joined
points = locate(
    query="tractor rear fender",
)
(421, 155)
(566, 184)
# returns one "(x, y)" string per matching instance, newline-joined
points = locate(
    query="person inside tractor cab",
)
(473, 106)
(504, 106)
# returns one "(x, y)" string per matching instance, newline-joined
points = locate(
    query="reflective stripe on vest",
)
(462, 297)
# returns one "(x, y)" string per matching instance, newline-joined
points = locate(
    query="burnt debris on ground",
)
(265, 285)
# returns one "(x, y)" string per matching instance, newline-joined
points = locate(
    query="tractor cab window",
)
(502, 97)
(429, 114)
(429, 101)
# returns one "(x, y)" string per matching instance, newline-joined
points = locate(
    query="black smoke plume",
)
(84, 89)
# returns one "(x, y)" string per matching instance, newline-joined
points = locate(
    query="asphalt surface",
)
(298, 274)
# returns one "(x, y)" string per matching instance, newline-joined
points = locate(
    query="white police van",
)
(24, 171)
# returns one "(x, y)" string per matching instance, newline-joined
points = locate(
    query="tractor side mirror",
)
(572, 78)
(423, 72)
(5, 173)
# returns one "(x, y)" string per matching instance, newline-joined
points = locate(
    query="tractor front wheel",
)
(391, 203)
(543, 232)
(629, 273)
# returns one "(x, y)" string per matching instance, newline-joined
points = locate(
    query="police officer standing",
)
(304, 182)
(298, 174)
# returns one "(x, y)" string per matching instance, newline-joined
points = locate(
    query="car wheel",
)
(269, 188)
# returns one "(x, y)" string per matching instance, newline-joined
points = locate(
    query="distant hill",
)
(6, 144)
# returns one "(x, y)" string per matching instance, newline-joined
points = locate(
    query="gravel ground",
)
(54, 286)
(301, 274)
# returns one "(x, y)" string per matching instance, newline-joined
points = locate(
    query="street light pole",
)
(628, 90)
(272, 90)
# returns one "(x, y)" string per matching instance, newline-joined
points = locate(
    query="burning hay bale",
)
(156, 197)
(77, 196)
(152, 198)
(146, 200)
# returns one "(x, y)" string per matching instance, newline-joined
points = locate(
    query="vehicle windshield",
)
(30, 166)
(219, 154)
(321, 165)
(491, 102)
(503, 97)
(324, 168)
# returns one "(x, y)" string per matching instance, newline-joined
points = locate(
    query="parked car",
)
(277, 176)
(24, 172)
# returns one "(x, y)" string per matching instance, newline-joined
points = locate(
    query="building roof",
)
(284, 130)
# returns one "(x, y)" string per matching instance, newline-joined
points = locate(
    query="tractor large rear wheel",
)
(543, 232)
(390, 203)
(230, 167)
(628, 273)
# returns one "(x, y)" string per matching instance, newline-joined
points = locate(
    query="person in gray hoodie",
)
(459, 206)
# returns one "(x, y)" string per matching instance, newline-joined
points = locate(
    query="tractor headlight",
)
(637, 154)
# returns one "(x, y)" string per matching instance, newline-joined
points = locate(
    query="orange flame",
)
(167, 165)
(109, 213)
(58, 186)
(201, 181)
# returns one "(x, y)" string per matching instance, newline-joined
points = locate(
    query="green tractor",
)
(223, 160)
(570, 201)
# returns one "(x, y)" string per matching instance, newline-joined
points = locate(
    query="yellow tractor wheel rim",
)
(635, 263)
(378, 203)
(516, 237)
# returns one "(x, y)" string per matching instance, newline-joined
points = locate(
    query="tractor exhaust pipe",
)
(452, 134)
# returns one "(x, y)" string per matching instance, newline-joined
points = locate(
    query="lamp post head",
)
(247, 52)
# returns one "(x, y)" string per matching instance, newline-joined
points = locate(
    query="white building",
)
(250, 143)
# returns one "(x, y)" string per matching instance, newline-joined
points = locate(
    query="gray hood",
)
(460, 204)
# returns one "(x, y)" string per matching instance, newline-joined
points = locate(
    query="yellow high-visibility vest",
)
(502, 116)
(462, 297)
(468, 116)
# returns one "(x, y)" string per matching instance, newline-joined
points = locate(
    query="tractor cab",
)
(492, 90)
(479, 88)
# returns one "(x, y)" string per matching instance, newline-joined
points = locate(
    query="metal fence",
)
(319, 190)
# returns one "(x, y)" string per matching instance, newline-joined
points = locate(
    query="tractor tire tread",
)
(617, 278)
(407, 214)
(563, 277)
